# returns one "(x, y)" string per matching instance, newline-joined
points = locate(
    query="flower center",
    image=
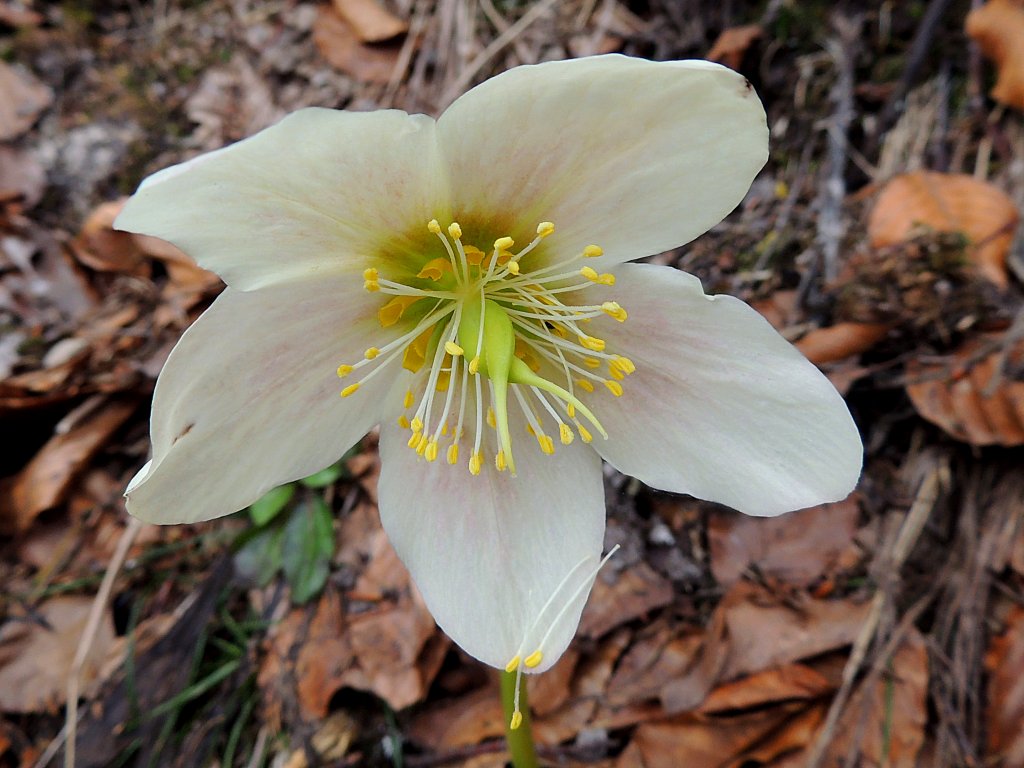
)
(483, 335)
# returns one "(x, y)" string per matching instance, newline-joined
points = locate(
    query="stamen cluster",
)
(485, 327)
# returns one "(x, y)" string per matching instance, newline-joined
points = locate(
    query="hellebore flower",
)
(466, 279)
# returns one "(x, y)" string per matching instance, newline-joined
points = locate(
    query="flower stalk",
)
(520, 739)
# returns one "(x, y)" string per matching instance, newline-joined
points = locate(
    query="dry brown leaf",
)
(840, 341)
(998, 29)
(22, 98)
(37, 652)
(948, 202)
(886, 719)
(733, 43)
(101, 247)
(22, 178)
(773, 686)
(622, 597)
(661, 654)
(798, 548)
(17, 14)
(46, 479)
(777, 308)
(1004, 708)
(371, 22)
(338, 43)
(461, 722)
(960, 396)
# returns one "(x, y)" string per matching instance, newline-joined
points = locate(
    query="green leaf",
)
(260, 556)
(267, 506)
(323, 478)
(308, 547)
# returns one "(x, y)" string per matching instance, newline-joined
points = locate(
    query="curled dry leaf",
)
(733, 43)
(371, 22)
(339, 44)
(99, 246)
(948, 202)
(998, 29)
(975, 396)
(840, 341)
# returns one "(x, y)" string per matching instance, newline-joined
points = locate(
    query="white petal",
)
(720, 405)
(249, 399)
(317, 193)
(505, 564)
(635, 156)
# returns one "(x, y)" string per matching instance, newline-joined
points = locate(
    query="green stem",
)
(520, 741)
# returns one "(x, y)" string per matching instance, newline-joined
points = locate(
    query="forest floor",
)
(881, 238)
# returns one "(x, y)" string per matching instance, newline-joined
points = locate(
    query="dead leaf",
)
(998, 29)
(371, 22)
(886, 718)
(231, 103)
(840, 341)
(101, 247)
(964, 398)
(37, 652)
(337, 43)
(798, 548)
(45, 481)
(948, 202)
(792, 682)
(733, 43)
(22, 98)
(1004, 708)
(624, 596)
(16, 14)
(466, 720)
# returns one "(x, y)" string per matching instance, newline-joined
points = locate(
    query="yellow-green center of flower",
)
(485, 334)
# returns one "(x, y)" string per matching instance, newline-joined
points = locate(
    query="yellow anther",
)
(371, 286)
(403, 421)
(414, 439)
(430, 454)
(409, 399)
(444, 429)
(515, 721)
(443, 379)
(615, 373)
(435, 269)
(585, 385)
(547, 445)
(593, 251)
(571, 410)
(613, 309)
(371, 353)
(417, 424)
(624, 364)
(434, 227)
(392, 312)
(503, 243)
(590, 273)
(559, 330)
(545, 228)
(591, 362)
(415, 354)
(453, 349)
(349, 389)
(473, 255)
(534, 659)
(513, 267)
(455, 230)
(565, 434)
(499, 461)
(371, 274)
(585, 436)
(475, 462)
(592, 343)
(474, 365)
(491, 421)
(421, 444)
(453, 454)
(614, 387)
(606, 278)
(344, 370)
(514, 664)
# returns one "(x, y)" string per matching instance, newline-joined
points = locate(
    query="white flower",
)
(503, 356)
